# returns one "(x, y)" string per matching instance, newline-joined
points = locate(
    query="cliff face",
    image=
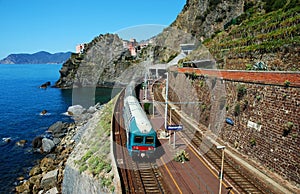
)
(199, 20)
(105, 60)
(202, 18)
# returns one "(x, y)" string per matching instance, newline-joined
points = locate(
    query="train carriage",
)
(141, 137)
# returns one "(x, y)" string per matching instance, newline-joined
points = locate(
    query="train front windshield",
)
(140, 139)
(149, 140)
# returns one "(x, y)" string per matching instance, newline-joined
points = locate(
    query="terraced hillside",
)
(259, 36)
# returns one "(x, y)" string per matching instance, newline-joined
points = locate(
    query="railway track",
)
(137, 176)
(149, 176)
(241, 180)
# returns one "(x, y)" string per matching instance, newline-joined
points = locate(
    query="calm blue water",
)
(21, 101)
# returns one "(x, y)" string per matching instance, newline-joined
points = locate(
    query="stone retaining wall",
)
(265, 112)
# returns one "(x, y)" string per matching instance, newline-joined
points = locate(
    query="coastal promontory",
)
(41, 57)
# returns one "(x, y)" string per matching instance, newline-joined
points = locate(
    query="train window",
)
(149, 140)
(138, 139)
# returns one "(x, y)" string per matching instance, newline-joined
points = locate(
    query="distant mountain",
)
(36, 58)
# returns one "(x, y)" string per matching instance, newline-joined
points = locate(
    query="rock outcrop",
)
(202, 18)
(103, 60)
(48, 173)
(90, 168)
(54, 170)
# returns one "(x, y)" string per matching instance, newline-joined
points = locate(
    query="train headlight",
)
(150, 148)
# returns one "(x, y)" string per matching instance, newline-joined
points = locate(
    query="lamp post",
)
(166, 106)
(222, 166)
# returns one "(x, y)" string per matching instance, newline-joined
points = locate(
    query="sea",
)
(21, 102)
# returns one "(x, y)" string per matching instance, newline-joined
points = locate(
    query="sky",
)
(29, 26)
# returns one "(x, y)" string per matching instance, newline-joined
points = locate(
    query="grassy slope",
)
(93, 152)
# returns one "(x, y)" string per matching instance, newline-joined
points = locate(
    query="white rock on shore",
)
(47, 145)
(76, 110)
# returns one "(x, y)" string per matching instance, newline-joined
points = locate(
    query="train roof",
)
(135, 129)
(138, 113)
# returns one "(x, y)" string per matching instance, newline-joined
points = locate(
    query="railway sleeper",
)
(153, 184)
(152, 191)
(149, 181)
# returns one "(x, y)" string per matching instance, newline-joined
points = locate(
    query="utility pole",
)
(222, 166)
(166, 102)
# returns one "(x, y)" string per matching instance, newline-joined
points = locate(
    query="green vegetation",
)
(273, 5)
(244, 104)
(96, 159)
(256, 32)
(284, 96)
(82, 168)
(86, 156)
(241, 91)
(203, 107)
(147, 107)
(258, 97)
(237, 109)
(287, 128)
(201, 83)
(252, 141)
(248, 67)
(171, 57)
(182, 156)
(287, 83)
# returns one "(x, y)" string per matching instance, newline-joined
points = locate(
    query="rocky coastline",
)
(47, 175)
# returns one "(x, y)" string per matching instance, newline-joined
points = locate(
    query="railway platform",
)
(193, 176)
(197, 175)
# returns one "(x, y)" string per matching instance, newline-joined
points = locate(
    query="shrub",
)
(241, 91)
(203, 107)
(201, 83)
(248, 67)
(87, 156)
(287, 83)
(82, 168)
(245, 104)
(237, 109)
(273, 5)
(252, 141)
(182, 156)
(147, 108)
(287, 128)
(258, 97)
(105, 182)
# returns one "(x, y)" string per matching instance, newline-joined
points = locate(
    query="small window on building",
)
(138, 139)
(149, 140)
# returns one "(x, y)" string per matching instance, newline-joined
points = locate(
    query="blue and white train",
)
(141, 137)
